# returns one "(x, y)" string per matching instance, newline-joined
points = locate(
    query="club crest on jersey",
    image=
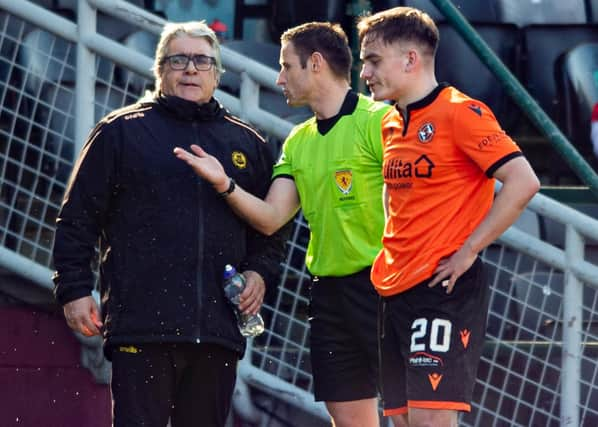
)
(426, 133)
(239, 160)
(344, 180)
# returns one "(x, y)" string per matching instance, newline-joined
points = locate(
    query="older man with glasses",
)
(164, 237)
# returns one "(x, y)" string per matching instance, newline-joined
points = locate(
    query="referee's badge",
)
(239, 159)
(344, 180)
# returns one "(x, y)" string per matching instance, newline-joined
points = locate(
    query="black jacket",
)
(164, 234)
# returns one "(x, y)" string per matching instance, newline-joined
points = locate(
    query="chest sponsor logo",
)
(398, 168)
(239, 160)
(421, 358)
(344, 180)
(426, 133)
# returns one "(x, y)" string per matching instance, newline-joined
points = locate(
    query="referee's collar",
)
(349, 105)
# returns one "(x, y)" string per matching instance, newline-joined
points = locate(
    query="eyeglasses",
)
(181, 61)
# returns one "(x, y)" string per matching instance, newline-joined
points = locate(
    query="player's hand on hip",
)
(451, 268)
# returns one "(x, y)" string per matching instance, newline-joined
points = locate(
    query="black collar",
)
(349, 105)
(428, 99)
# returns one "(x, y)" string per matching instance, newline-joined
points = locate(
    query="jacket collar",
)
(189, 110)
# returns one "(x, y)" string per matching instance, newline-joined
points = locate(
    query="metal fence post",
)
(572, 320)
(249, 95)
(85, 83)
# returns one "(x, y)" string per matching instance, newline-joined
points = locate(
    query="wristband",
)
(230, 189)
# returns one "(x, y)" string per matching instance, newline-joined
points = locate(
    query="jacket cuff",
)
(65, 296)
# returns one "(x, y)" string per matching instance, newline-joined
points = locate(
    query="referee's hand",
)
(205, 165)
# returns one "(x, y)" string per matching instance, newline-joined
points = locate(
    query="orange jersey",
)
(438, 167)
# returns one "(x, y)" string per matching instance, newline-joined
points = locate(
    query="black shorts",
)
(192, 384)
(344, 338)
(432, 343)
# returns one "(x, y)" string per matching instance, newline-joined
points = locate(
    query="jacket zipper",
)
(200, 244)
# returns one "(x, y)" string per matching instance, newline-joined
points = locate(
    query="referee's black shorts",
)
(432, 343)
(344, 338)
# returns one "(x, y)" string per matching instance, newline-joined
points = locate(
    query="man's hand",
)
(253, 295)
(451, 268)
(520, 183)
(83, 315)
(206, 166)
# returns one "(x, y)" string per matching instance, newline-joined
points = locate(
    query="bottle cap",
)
(229, 271)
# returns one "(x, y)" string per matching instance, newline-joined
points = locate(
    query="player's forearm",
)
(509, 204)
(265, 216)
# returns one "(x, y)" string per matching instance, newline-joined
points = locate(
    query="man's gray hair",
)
(195, 29)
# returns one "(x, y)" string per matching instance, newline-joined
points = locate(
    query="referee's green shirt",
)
(337, 167)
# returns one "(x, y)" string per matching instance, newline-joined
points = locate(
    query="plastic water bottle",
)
(250, 325)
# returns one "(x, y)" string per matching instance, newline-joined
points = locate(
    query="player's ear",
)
(317, 60)
(411, 58)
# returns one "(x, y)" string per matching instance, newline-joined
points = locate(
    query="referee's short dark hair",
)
(326, 38)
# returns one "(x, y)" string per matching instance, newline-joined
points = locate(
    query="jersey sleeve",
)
(284, 165)
(479, 135)
(374, 132)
